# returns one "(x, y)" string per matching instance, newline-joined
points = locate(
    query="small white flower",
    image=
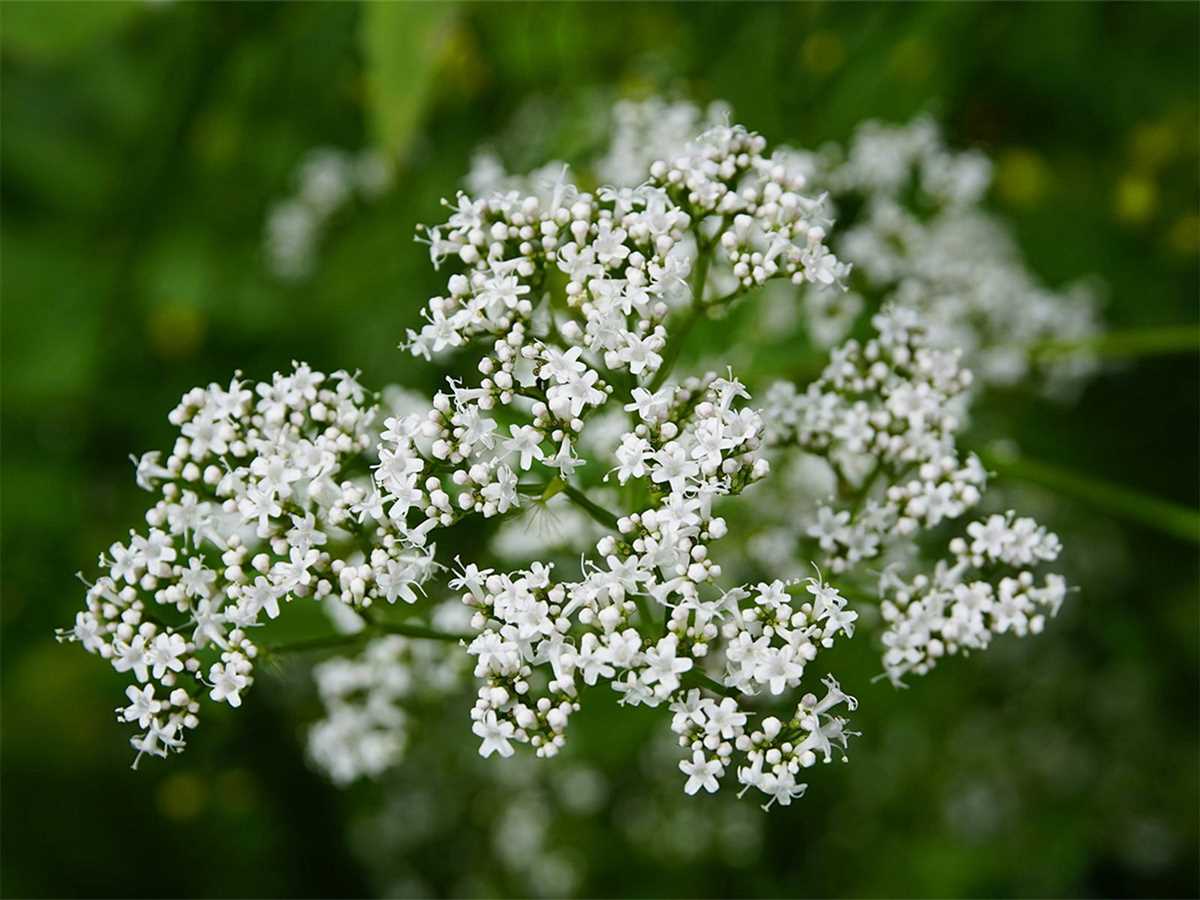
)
(701, 772)
(142, 706)
(495, 734)
(227, 684)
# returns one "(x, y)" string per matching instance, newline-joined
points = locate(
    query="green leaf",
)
(403, 44)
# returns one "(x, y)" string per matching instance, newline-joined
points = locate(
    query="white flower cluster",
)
(256, 505)
(886, 160)
(626, 257)
(488, 175)
(691, 445)
(326, 181)
(923, 240)
(579, 302)
(774, 753)
(640, 620)
(644, 132)
(919, 236)
(882, 416)
(626, 254)
(961, 605)
(365, 727)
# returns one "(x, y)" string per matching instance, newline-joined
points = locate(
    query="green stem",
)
(865, 489)
(544, 491)
(328, 642)
(671, 355)
(679, 335)
(1159, 341)
(593, 509)
(1162, 515)
(421, 631)
(643, 605)
(338, 641)
(696, 678)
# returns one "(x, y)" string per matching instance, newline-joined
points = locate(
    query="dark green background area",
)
(141, 146)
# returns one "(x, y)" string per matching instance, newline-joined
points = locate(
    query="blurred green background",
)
(142, 146)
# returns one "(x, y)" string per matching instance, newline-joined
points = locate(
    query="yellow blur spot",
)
(1184, 236)
(1022, 178)
(913, 60)
(176, 330)
(822, 52)
(636, 85)
(237, 790)
(1153, 145)
(216, 139)
(181, 796)
(463, 63)
(1136, 199)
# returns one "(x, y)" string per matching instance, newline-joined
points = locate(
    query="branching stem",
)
(696, 678)
(341, 641)
(545, 490)
(680, 334)
(1138, 342)
(593, 509)
(1163, 515)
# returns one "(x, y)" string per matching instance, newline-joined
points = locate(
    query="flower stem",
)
(593, 509)
(1139, 342)
(337, 641)
(696, 678)
(556, 485)
(421, 631)
(674, 346)
(679, 335)
(1162, 515)
(328, 642)
(647, 617)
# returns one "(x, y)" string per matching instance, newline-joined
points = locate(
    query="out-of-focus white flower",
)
(326, 180)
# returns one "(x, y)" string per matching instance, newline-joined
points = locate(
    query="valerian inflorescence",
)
(306, 487)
